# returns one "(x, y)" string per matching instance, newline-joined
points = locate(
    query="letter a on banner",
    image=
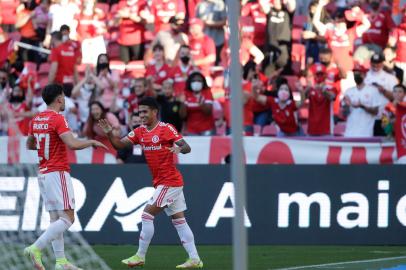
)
(400, 132)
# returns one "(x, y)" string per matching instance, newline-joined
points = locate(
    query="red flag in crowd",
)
(400, 130)
(6, 49)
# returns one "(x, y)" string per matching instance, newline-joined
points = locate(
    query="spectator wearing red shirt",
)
(375, 38)
(397, 39)
(63, 63)
(339, 38)
(163, 10)
(321, 96)
(131, 18)
(182, 70)
(65, 31)
(284, 111)
(198, 106)
(8, 15)
(91, 21)
(159, 71)
(202, 47)
(254, 10)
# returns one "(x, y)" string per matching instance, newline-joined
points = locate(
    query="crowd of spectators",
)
(333, 69)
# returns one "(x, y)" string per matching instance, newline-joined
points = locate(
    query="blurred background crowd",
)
(310, 68)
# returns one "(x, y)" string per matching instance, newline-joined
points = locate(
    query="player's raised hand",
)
(174, 149)
(98, 144)
(105, 125)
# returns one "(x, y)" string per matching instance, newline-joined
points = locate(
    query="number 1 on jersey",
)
(39, 138)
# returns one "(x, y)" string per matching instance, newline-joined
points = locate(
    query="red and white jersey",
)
(200, 48)
(180, 75)
(130, 32)
(160, 160)
(66, 57)
(47, 127)
(342, 47)
(197, 121)
(381, 25)
(400, 35)
(284, 117)
(163, 10)
(22, 123)
(158, 75)
(320, 120)
(254, 10)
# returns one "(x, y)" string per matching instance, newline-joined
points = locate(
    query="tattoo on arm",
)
(184, 146)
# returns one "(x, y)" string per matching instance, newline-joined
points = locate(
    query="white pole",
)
(237, 153)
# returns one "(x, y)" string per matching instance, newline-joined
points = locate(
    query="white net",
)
(23, 219)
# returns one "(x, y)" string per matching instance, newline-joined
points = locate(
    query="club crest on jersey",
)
(155, 139)
(131, 134)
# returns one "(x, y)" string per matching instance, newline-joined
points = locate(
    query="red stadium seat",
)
(298, 57)
(292, 79)
(303, 113)
(297, 34)
(43, 80)
(44, 68)
(117, 65)
(269, 130)
(339, 129)
(31, 66)
(299, 21)
(136, 69)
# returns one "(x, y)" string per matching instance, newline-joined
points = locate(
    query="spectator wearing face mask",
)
(182, 70)
(171, 107)
(107, 81)
(63, 63)
(362, 103)
(134, 153)
(321, 97)
(198, 106)
(77, 47)
(284, 111)
(159, 71)
(171, 40)
(385, 83)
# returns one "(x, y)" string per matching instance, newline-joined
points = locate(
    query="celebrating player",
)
(48, 134)
(159, 142)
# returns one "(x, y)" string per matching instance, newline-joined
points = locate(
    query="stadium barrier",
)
(258, 150)
(358, 204)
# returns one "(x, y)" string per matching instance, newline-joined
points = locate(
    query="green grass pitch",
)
(260, 257)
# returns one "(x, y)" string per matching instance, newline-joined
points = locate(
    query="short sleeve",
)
(133, 136)
(172, 135)
(61, 125)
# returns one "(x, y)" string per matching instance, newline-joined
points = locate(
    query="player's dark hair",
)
(158, 46)
(51, 92)
(149, 102)
(400, 86)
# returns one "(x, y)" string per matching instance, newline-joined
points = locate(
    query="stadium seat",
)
(257, 130)
(299, 21)
(297, 35)
(269, 130)
(339, 129)
(298, 58)
(292, 79)
(303, 113)
(136, 69)
(118, 66)
(31, 66)
(44, 68)
(42, 80)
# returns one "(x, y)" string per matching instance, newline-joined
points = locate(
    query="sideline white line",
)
(342, 263)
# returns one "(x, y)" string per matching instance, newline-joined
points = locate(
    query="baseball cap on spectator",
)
(196, 21)
(377, 58)
(354, 15)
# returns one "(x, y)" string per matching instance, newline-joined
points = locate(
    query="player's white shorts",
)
(170, 198)
(57, 191)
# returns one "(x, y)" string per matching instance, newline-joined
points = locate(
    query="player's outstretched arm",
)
(181, 147)
(115, 141)
(76, 144)
(31, 145)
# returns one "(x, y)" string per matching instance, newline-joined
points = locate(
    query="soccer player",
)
(159, 141)
(49, 134)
